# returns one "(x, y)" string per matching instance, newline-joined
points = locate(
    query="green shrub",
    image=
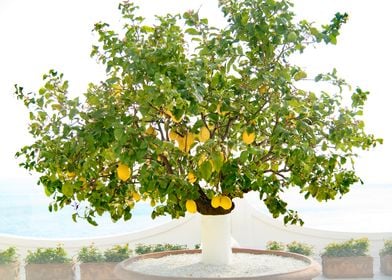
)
(275, 246)
(117, 253)
(8, 256)
(145, 249)
(352, 247)
(48, 255)
(300, 248)
(387, 249)
(90, 254)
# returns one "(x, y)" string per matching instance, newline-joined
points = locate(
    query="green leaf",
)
(300, 75)
(192, 31)
(217, 160)
(67, 189)
(205, 170)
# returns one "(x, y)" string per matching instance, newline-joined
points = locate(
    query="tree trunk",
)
(216, 239)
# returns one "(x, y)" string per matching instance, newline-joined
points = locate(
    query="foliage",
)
(387, 249)
(352, 247)
(90, 254)
(190, 112)
(300, 248)
(47, 255)
(275, 246)
(152, 248)
(117, 254)
(8, 255)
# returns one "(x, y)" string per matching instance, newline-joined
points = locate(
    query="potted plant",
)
(386, 258)
(347, 259)
(96, 265)
(300, 248)
(49, 264)
(191, 116)
(9, 265)
(275, 246)
(141, 249)
(293, 247)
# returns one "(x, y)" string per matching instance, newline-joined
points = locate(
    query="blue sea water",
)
(24, 212)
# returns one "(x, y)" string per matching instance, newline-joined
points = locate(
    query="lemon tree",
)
(192, 116)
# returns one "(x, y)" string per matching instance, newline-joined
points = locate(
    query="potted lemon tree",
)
(347, 259)
(49, 264)
(9, 265)
(386, 258)
(97, 265)
(192, 116)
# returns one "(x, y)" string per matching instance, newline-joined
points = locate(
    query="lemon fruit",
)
(204, 134)
(173, 135)
(263, 89)
(136, 196)
(189, 140)
(123, 172)
(225, 202)
(151, 131)
(216, 201)
(185, 143)
(191, 177)
(248, 138)
(71, 175)
(191, 206)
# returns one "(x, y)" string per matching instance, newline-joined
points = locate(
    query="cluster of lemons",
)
(217, 201)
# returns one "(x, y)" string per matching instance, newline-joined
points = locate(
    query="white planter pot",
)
(216, 239)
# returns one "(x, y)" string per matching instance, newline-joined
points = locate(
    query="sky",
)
(43, 34)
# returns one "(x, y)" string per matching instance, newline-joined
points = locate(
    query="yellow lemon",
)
(123, 172)
(216, 201)
(248, 138)
(204, 134)
(191, 206)
(225, 202)
(71, 174)
(185, 143)
(151, 131)
(191, 177)
(181, 143)
(173, 135)
(189, 140)
(136, 196)
(263, 89)
(152, 203)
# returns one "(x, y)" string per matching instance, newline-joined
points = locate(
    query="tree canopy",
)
(191, 116)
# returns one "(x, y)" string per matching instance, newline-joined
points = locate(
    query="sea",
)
(24, 212)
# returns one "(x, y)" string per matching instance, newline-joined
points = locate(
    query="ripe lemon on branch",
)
(248, 138)
(191, 206)
(123, 172)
